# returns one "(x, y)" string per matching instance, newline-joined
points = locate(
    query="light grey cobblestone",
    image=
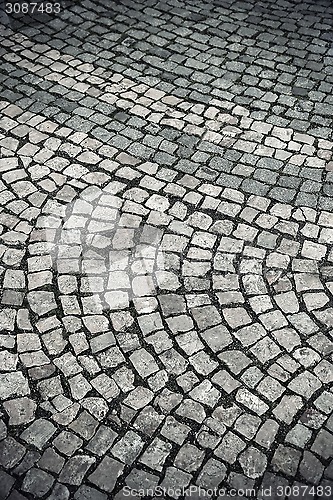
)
(166, 239)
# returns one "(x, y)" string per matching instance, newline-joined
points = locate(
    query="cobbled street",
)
(166, 234)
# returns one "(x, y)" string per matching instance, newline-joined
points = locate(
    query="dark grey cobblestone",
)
(166, 246)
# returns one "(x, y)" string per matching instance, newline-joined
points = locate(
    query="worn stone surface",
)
(166, 233)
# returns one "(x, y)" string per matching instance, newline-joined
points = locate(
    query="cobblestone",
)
(166, 248)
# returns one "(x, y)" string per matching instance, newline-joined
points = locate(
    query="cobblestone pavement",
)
(166, 238)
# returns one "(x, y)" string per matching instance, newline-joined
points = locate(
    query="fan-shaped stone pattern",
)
(228, 320)
(207, 362)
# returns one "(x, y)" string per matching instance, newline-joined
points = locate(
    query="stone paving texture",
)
(166, 236)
